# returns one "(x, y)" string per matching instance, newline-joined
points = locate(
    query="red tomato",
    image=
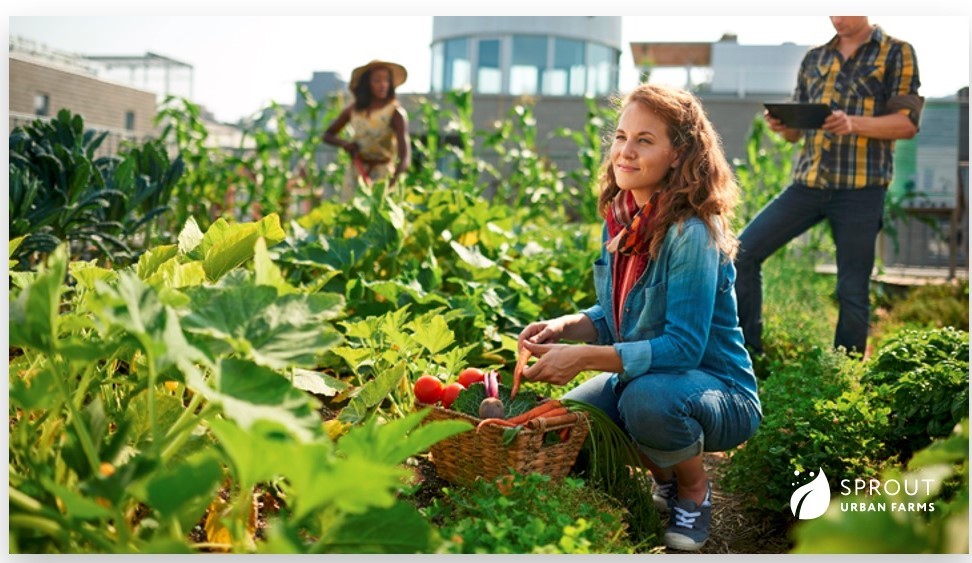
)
(428, 390)
(450, 393)
(469, 376)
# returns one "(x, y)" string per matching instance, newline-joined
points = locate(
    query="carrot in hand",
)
(521, 362)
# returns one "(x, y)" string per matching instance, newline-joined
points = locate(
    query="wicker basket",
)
(464, 457)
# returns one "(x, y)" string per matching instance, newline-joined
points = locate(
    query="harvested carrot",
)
(521, 362)
(496, 421)
(536, 411)
(547, 417)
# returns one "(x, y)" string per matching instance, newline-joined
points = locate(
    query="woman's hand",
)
(351, 147)
(557, 363)
(542, 332)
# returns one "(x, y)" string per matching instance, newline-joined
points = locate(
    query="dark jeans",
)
(855, 217)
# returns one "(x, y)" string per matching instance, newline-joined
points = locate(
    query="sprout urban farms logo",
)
(812, 499)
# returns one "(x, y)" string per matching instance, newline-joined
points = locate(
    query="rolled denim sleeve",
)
(692, 280)
(596, 314)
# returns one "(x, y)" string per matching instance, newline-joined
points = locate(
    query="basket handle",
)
(543, 424)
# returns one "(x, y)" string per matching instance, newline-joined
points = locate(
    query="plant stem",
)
(86, 443)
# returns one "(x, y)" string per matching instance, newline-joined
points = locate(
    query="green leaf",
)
(473, 257)
(34, 312)
(354, 357)
(267, 273)
(174, 274)
(277, 332)
(371, 394)
(318, 383)
(397, 529)
(395, 441)
(39, 392)
(190, 237)
(850, 532)
(432, 333)
(351, 485)
(149, 262)
(12, 247)
(76, 505)
(226, 246)
(249, 393)
(89, 274)
(261, 452)
(169, 491)
(168, 409)
(134, 307)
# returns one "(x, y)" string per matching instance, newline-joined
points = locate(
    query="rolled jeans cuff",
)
(665, 459)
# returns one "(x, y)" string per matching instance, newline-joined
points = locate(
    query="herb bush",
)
(923, 378)
(530, 514)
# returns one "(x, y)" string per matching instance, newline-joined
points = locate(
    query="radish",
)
(491, 381)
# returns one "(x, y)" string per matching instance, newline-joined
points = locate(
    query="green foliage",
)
(798, 313)
(932, 306)
(815, 414)
(115, 412)
(590, 144)
(855, 418)
(530, 514)
(945, 529)
(766, 171)
(923, 377)
(60, 191)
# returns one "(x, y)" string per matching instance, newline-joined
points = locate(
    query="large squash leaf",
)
(226, 246)
(249, 393)
(253, 322)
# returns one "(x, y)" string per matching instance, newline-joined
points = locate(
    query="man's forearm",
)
(888, 127)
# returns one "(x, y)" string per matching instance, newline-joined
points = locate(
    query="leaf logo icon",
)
(811, 500)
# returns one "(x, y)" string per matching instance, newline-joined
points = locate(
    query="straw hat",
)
(398, 73)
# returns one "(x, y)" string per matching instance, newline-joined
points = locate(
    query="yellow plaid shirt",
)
(880, 78)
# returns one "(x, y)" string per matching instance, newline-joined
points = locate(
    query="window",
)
(42, 104)
(129, 120)
(567, 75)
(602, 71)
(457, 67)
(529, 61)
(489, 76)
(438, 66)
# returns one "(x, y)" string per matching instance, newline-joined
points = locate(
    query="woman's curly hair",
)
(701, 185)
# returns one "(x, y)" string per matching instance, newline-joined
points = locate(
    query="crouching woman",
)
(664, 331)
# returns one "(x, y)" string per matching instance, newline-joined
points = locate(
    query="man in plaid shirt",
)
(870, 81)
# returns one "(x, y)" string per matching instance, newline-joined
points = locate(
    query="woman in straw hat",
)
(378, 125)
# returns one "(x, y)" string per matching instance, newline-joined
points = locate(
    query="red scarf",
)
(630, 230)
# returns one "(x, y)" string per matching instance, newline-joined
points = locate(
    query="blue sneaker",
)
(664, 493)
(688, 528)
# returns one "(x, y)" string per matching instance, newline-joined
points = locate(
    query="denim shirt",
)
(679, 315)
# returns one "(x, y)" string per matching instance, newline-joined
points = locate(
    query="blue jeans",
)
(855, 217)
(673, 417)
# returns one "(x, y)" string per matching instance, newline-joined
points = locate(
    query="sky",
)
(242, 62)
